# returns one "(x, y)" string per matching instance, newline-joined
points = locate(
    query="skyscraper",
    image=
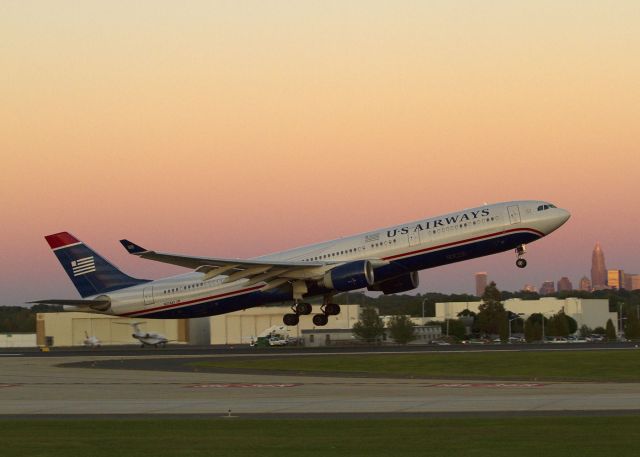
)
(564, 285)
(585, 284)
(481, 283)
(598, 269)
(615, 279)
(547, 288)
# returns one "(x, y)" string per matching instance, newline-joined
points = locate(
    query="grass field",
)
(522, 437)
(619, 365)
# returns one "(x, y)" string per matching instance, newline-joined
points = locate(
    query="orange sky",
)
(244, 127)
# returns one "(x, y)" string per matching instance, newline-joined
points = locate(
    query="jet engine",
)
(403, 283)
(350, 276)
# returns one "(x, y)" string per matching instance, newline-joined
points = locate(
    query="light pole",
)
(511, 320)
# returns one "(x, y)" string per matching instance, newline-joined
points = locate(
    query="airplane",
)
(91, 341)
(385, 260)
(146, 338)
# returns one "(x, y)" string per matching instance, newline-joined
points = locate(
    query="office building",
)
(547, 288)
(564, 285)
(481, 283)
(615, 279)
(632, 282)
(585, 284)
(598, 269)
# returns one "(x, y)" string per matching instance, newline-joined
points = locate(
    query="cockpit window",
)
(545, 207)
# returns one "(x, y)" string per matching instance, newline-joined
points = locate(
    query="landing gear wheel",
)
(521, 263)
(320, 320)
(290, 320)
(302, 309)
(331, 309)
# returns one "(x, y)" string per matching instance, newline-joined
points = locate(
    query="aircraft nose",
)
(563, 216)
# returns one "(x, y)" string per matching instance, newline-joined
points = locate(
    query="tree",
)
(611, 331)
(492, 317)
(455, 328)
(370, 327)
(632, 325)
(533, 327)
(600, 330)
(532, 331)
(585, 331)
(401, 329)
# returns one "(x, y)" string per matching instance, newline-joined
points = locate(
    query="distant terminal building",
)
(615, 279)
(547, 288)
(481, 283)
(564, 285)
(598, 269)
(590, 312)
(585, 284)
(529, 288)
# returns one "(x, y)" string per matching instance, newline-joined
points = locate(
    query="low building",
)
(17, 340)
(317, 337)
(72, 328)
(590, 312)
(241, 327)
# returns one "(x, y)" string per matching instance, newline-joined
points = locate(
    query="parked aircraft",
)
(385, 260)
(146, 338)
(91, 341)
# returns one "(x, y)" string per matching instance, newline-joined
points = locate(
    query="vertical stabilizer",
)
(91, 273)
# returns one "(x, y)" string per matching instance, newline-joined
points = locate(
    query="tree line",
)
(19, 319)
(491, 320)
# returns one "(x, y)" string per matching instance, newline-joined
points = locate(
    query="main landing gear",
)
(520, 252)
(299, 309)
(303, 309)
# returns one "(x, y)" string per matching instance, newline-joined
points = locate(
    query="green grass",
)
(522, 437)
(619, 365)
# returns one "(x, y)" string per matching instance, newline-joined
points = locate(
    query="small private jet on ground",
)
(146, 338)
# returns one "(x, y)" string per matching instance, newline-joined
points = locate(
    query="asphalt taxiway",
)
(87, 385)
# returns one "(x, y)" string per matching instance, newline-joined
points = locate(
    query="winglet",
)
(133, 248)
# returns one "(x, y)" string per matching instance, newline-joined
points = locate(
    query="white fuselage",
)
(416, 245)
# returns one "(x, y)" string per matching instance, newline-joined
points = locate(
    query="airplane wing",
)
(236, 269)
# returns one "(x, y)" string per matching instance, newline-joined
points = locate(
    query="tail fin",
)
(89, 272)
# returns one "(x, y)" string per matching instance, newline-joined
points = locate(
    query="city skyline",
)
(605, 278)
(226, 130)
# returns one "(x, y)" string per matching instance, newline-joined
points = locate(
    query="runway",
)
(39, 386)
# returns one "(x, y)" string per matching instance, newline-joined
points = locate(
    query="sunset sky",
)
(239, 128)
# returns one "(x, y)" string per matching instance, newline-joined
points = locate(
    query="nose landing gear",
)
(520, 252)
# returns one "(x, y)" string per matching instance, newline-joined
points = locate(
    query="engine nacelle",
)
(407, 281)
(350, 276)
(104, 305)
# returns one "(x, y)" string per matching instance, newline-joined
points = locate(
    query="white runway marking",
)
(240, 385)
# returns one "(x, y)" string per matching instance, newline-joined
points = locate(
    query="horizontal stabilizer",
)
(132, 248)
(98, 305)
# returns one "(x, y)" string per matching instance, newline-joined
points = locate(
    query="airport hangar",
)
(240, 327)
